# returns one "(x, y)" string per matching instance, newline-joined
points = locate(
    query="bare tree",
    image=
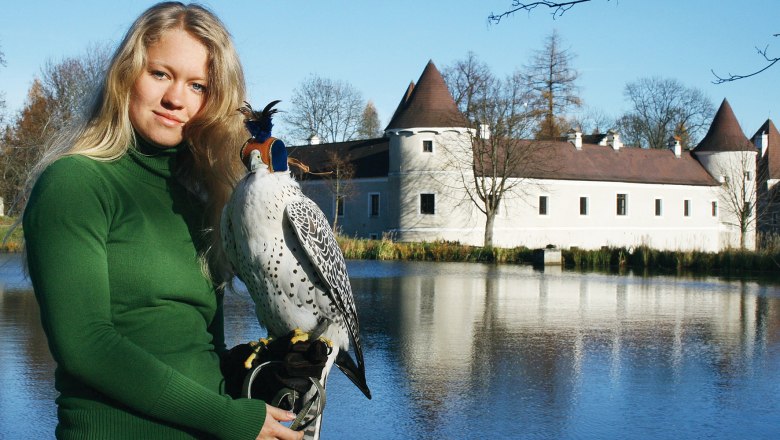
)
(767, 205)
(339, 182)
(369, 123)
(468, 81)
(592, 120)
(70, 82)
(329, 108)
(2, 94)
(661, 108)
(491, 159)
(739, 195)
(52, 103)
(552, 77)
(23, 145)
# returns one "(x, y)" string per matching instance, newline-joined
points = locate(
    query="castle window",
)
(687, 208)
(373, 205)
(583, 206)
(427, 146)
(622, 204)
(714, 208)
(427, 204)
(659, 207)
(542, 205)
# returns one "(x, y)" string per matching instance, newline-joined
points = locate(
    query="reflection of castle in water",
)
(515, 331)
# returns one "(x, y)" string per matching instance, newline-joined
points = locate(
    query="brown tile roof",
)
(370, 157)
(554, 160)
(772, 156)
(725, 134)
(427, 104)
(561, 161)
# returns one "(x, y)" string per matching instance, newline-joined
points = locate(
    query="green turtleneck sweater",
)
(131, 321)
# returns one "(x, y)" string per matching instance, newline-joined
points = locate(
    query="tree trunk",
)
(489, 220)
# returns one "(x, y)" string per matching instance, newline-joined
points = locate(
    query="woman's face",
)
(171, 89)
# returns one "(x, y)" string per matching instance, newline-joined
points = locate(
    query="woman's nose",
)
(173, 96)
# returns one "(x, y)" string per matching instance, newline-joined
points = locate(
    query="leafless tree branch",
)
(733, 77)
(558, 8)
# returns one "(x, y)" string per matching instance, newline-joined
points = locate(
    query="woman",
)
(120, 218)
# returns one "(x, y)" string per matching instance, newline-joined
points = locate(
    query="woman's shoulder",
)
(70, 176)
(74, 168)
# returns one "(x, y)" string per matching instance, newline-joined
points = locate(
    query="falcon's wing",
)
(317, 239)
(320, 245)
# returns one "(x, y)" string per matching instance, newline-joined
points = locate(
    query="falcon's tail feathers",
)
(356, 374)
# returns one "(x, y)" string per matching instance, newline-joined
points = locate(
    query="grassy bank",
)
(640, 258)
(386, 249)
(731, 261)
(14, 242)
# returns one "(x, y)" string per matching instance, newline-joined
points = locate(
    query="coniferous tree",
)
(369, 123)
(553, 79)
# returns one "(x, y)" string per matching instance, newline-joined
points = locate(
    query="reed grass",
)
(643, 258)
(439, 250)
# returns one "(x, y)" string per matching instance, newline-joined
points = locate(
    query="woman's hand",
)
(272, 429)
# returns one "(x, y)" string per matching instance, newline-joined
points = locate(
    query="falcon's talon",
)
(327, 341)
(248, 361)
(256, 347)
(299, 336)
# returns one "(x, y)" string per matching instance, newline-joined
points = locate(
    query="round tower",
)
(423, 130)
(728, 155)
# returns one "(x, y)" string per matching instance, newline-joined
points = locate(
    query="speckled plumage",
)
(283, 249)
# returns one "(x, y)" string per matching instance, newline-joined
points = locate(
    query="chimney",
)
(674, 145)
(762, 143)
(613, 140)
(314, 140)
(575, 137)
(484, 131)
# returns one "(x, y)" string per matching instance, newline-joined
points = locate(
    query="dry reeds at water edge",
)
(642, 257)
(734, 261)
(439, 250)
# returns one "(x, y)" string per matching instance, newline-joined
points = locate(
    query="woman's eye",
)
(157, 74)
(200, 88)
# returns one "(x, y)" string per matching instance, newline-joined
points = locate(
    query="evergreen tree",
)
(369, 123)
(553, 79)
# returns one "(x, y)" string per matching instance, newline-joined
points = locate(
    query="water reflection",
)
(466, 350)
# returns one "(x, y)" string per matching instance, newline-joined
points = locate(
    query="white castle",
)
(593, 192)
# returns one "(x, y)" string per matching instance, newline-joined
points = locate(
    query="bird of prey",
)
(282, 247)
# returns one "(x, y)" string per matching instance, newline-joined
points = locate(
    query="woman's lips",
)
(168, 119)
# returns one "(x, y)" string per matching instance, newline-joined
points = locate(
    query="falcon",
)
(283, 249)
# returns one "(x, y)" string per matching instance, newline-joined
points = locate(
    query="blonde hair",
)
(210, 166)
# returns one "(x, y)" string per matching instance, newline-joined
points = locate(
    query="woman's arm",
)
(66, 225)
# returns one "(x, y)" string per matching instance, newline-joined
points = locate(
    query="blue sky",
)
(379, 47)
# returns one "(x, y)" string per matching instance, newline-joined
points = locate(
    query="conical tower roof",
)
(771, 158)
(427, 104)
(725, 134)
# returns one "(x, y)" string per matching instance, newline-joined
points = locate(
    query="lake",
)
(457, 351)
